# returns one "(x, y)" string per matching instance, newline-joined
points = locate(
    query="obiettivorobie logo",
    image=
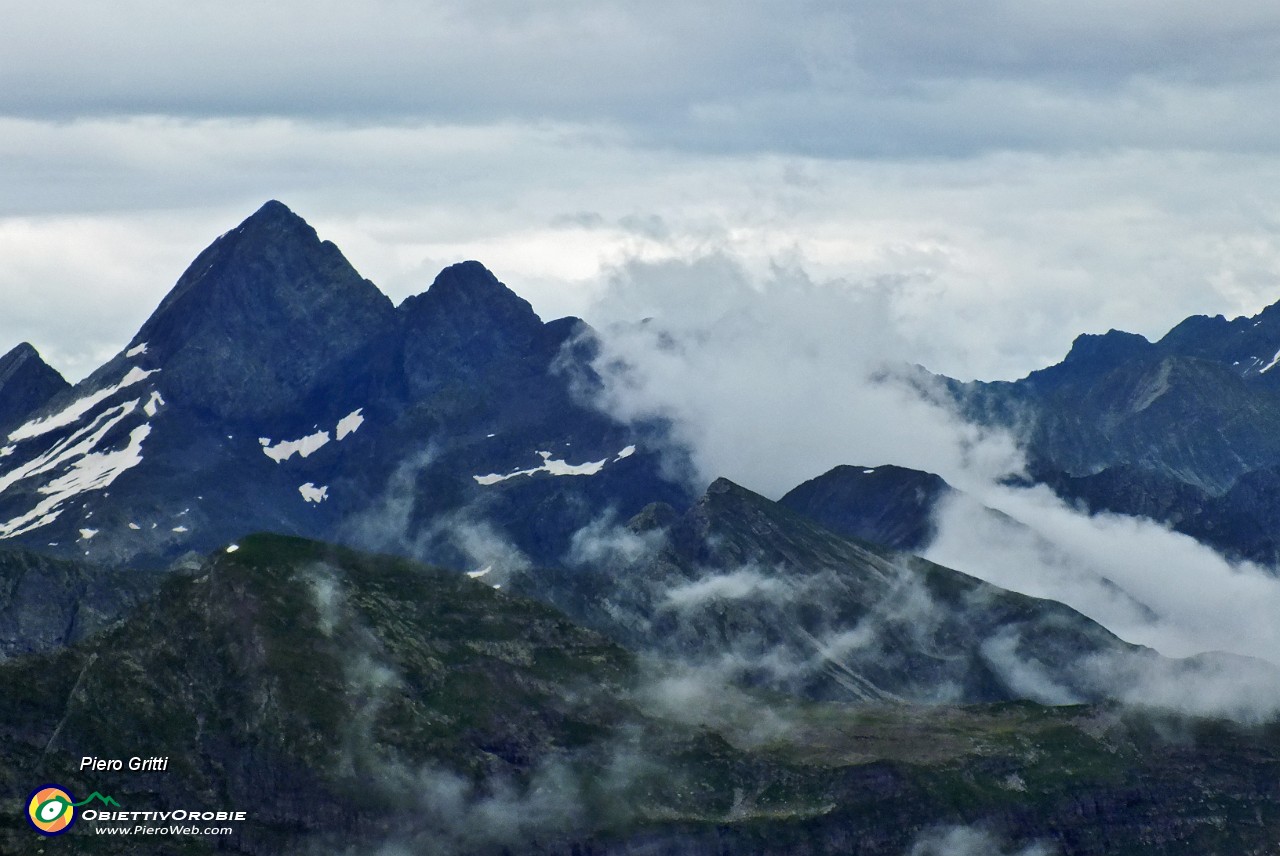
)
(52, 810)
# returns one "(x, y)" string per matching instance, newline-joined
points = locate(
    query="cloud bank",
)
(865, 79)
(767, 380)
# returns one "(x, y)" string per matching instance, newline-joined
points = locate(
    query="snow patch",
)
(7, 451)
(96, 470)
(562, 468)
(136, 350)
(626, 453)
(154, 404)
(181, 529)
(475, 575)
(76, 410)
(303, 447)
(869, 472)
(311, 493)
(349, 423)
(1270, 365)
(86, 534)
(231, 548)
(550, 466)
(135, 527)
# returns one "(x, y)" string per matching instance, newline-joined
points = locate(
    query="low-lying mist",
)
(1145, 583)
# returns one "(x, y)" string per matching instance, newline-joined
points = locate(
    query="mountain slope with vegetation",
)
(350, 701)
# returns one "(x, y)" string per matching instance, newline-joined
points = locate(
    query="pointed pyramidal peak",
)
(470, 320)
(737, 520)
(261, 313)
(469, 293)
(26, 382)
(274, 213)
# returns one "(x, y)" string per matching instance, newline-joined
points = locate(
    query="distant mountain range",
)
(1185, 430)
(212, 546)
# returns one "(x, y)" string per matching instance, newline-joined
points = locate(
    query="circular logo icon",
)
(51, 810)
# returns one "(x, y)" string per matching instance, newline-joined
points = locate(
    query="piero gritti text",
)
(136, 764)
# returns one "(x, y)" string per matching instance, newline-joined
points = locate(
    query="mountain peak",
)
(470, 289)
(1092, 354)
(260, 311)
(275, 221)
(274, 209)
(468, 317)
(887, 504)
(26, 382)
(723, 485)
(1112, 346)
(16, 358)
(725, 497)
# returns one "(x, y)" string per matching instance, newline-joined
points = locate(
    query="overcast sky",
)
(1000, 174)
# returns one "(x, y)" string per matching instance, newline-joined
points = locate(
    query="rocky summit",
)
(889, 505)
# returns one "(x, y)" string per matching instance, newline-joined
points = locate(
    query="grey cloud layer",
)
(869, 78)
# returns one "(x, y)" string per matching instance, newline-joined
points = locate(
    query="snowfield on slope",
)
(77, 409)
(555, 467)
(76, 463)
(88, 470)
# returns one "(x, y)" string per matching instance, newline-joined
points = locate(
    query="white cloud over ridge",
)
(1149, 585)
(770, 381)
